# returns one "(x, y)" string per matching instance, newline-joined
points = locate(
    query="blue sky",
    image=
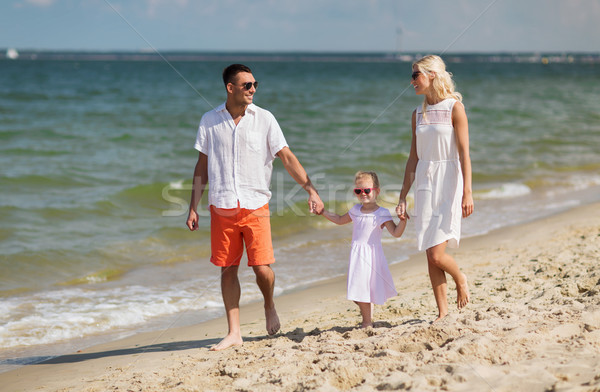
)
(303, 25)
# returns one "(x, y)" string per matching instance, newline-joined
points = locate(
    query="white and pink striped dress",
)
(438, 179)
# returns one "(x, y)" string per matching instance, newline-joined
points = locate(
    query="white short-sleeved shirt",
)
(240, 158)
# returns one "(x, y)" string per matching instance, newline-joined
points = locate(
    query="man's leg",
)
(230, 289)
(265, 278)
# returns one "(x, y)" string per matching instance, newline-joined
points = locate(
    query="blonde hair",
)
(361, 174)
(443, 85)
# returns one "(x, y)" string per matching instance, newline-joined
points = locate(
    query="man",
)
(237, 143)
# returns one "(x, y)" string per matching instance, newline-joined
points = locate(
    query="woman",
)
(440, 165)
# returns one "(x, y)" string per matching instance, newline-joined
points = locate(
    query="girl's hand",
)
(467, 205)
(401, 210)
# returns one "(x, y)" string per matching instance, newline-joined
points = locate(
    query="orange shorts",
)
(231, 227)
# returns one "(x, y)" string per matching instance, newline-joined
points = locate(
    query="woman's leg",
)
(440, 262)
(440, 289)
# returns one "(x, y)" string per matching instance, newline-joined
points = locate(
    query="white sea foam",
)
(60, 315)
(176, 184)
(562, 205)
(580, 182)
(506, 191)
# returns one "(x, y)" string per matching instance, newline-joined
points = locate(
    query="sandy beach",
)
(533, 324)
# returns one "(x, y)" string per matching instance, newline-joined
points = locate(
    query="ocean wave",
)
(505, 191)
(55, 316)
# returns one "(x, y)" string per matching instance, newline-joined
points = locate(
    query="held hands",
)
(315, 205)
(401, 210)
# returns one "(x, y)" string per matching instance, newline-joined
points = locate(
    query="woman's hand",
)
(467, 205)
(401, 210)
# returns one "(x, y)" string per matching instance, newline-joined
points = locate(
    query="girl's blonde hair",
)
(443, 85)
(370, 174)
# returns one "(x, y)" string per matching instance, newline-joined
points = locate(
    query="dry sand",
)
(533, 325)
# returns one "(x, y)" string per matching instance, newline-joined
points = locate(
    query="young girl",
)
(369, 278)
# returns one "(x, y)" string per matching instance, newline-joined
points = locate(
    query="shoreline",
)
(319, 319)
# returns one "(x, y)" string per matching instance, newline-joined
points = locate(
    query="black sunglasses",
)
(415, 75)
(248, 86)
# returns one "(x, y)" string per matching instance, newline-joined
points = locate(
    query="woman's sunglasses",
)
(415, 75)
(248, 86)
(367, 191)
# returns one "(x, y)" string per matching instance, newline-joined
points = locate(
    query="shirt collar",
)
(250, 109)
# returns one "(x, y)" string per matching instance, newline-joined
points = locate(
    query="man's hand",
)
(315, 204)
(192, 220)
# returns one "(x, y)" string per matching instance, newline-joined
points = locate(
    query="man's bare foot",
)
(366, 325)
(462, 292)
(228, 341)
(272, 321)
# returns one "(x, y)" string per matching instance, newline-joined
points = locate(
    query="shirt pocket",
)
(253, 142)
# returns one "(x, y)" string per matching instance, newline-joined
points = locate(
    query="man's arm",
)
(199, 184)
(295, 169)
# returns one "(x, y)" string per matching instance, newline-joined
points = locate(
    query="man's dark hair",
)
(231, 71)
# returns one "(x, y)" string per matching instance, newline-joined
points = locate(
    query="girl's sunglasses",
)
(367, 191)
(248, 86)
(415, 75)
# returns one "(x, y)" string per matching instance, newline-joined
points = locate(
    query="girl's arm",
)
(337, 219)
(461, 129)
(395, 229)
(409, 171)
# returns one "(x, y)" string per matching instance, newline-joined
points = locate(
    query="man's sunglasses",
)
(415, 75)
(367, 191)
(248, 86)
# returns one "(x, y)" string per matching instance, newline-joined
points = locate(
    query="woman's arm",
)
(409, 171)
(461, 129)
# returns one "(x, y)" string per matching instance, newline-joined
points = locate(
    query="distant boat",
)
(12, 54)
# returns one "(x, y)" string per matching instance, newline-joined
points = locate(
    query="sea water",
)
(97, 157)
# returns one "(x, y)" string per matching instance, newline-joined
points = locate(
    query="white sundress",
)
(369, 278)
(438, 179)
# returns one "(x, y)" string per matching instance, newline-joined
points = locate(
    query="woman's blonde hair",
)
(443, 85)
(369, 174)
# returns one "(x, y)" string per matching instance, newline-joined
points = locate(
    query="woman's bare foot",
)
(440, 318)
(366, 324)
(228, 341)
(272, 321)
(462, 292)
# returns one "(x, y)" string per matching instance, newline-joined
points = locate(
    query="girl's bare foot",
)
(228, 341)
(462, 292)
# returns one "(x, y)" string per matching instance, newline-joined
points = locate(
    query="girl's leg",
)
(439, 262)
(365, 311)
